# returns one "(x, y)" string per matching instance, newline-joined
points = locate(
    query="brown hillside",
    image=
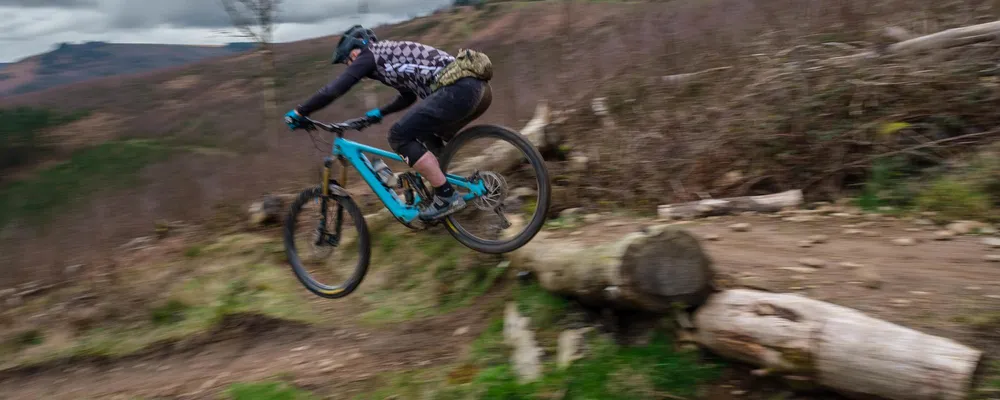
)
(207, 113)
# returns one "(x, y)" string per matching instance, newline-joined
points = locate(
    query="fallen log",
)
(945, 39)
(501, 156)
(834, 346)
(702, 208)
(651, 270)
(962, 36)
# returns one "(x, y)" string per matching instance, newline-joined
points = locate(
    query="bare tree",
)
(254, 19)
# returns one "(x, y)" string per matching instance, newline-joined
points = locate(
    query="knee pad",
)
(405, 145)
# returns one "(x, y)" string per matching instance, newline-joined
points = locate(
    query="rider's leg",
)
(446, 106)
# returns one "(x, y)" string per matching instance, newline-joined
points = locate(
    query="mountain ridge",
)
(71, 63)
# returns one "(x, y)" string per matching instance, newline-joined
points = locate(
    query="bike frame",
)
(353, 153)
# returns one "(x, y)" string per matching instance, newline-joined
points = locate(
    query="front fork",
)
(324, 237)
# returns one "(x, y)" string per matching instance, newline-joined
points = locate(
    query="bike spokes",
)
(327, 252)
(508, 193)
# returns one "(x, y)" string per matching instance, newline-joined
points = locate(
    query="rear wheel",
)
(328, 254)
(513, 158)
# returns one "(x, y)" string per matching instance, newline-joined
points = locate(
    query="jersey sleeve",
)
(361, 67)
(405, 99)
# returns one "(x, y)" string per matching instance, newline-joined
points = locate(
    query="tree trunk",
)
(834, 346)
(502, 157)
(764, 204)
(270, 92)
(648, 270)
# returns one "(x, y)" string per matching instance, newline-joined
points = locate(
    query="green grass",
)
(886, 186)
(20, 141)
(108, 165)
(542, 307)
(267, 391)
(193, 251)
(172, 312)
(234, 276)
(989, 387)
(955, 199)
(424, 274)
(609, 371)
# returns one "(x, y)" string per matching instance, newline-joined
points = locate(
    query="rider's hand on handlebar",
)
(374, 116)
(294, 120)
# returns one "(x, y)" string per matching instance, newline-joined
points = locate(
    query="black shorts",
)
(436, 119)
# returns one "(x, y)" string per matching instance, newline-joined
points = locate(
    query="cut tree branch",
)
(702, 208)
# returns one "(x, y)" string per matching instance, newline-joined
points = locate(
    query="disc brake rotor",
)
(496, 191)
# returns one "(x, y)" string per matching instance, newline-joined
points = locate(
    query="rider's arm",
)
(359, 68)
(405, 99)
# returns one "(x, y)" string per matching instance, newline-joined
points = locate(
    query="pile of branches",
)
(814, 116)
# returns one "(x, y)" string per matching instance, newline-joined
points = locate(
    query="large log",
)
(651, 270)
(834, 346)
(764, 204)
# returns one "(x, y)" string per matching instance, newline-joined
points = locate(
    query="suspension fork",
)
(325, 198)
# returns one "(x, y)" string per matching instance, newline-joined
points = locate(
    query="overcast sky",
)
(29, 27)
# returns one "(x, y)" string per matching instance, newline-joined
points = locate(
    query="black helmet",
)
(354, 38)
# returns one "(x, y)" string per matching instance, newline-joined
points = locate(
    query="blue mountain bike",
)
(483, 190)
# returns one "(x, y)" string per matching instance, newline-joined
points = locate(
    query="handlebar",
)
(339, 128)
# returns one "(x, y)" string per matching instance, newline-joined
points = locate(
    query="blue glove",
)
(293, 120)
(374, 115)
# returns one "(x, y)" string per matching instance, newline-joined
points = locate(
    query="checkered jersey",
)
(408, 65)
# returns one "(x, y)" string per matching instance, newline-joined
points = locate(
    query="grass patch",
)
(544, 309)
(984, 321)
(609, 371)
(886, 186)
(22, 340)
(417, 275)
(233, 277)
(955, 199)
(989, 386)
(20, 142)
(110, 164)
(267, 391)
(172, 312)
(193, 251)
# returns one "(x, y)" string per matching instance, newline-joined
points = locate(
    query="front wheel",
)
(327, 243)
(502, 166)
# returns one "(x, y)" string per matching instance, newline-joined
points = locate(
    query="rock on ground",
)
(965, 227)
(992, 242)
(812, 262)
(944, 235)
(740, 227)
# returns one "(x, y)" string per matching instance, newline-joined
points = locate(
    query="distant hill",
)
(70, 63)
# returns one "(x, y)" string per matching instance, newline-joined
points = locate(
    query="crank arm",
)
(504, 222)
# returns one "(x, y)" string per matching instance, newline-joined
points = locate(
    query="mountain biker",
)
(454, 90)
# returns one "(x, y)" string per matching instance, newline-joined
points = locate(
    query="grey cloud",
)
(26, 24)
(50, 3)
(131, 14)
